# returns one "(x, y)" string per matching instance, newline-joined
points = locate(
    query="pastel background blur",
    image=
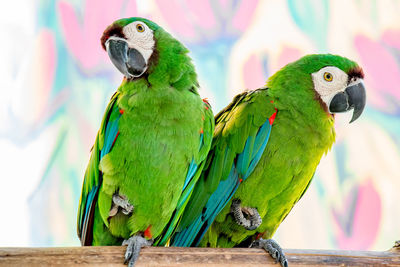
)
(56, 81)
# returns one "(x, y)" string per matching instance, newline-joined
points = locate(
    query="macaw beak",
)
(353, 97)
(128, 61)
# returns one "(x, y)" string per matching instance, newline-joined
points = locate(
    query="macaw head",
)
(334, 81)
(137, 46)
(130, 44)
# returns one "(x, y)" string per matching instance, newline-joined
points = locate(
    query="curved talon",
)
(247, 217)
(273, 248)
(120, 201)
(135, 244)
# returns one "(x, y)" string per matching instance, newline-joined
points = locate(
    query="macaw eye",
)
(328, 76)
(139, 28)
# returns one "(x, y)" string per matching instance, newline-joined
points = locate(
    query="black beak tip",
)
(356, 114)
(354, 97)
(357, 99)
(355, 117)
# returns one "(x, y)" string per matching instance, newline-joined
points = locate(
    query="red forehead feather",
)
(112, 30)
(356, 72)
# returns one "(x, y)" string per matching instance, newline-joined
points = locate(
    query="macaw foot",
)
(272, 248)
(247, 217)
(135, 244)
(120, 202)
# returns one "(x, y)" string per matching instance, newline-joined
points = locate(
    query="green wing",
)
(193, 174)
(241, 134)
(93, 178)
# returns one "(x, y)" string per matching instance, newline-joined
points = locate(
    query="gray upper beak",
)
(353, 97)
(128, 61)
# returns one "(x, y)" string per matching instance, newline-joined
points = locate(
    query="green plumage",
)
(163, 125)
(301, 133)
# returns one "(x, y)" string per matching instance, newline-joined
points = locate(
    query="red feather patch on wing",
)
(147, 233)
(115, 139)
(272, 118)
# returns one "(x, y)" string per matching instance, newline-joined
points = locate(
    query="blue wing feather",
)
(221, 196)
(93, 177)
(111, 133)
(262, 135)
(201, 141)
(90, 198)
(215, 204)
(184, 197)
(244, 158)
(192, 170)
(258, 153)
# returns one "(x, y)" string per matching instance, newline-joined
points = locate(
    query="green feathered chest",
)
(159, 135)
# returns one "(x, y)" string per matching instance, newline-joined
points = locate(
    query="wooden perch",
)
(192, 257)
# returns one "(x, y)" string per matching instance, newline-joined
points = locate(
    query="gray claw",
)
(135, 244)
(252, 219)
(120, 201)
(273, 248)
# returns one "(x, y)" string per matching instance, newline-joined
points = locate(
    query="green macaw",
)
(267, 144)
(152, 143)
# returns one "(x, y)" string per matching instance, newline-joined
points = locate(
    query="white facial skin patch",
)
(140, 37)
(329, 81)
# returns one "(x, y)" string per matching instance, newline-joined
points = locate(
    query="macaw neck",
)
(302, 106)
(170, 65)
(158, 82)
(152, 104)
(306, 117)
(130, 87)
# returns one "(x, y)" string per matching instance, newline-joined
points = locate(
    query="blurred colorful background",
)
(56, 81)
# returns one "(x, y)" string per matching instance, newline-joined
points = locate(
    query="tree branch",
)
(192, 257)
